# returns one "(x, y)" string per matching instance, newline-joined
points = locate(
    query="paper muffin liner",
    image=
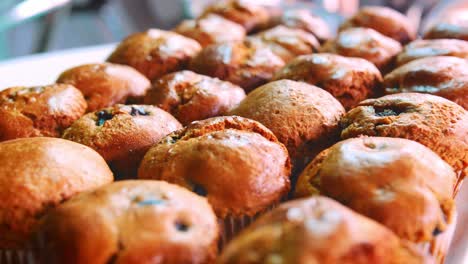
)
(22, 256)
(458, 185)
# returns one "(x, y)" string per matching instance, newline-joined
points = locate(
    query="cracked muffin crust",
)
(303, 231)
(365, 43)
(420, 48)
(303, 19)
(106, 84)
(39, 111)
(286, 43)
(37, 174)
(245, 65)
(131, 222)
(155, 52)
(443, 76)
(435, 122)
(190, 96)
(385, 20)
(385, 179)
(349, 80)
(122, 134)
(211, 29)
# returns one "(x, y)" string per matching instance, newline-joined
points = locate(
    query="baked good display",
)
(248, 66)
(365, 43)
(318, 230)
(190, 96)
(122, 134)
(131, 222)
(435, 122)
(155, 52)
(303, 117)
(286, 43)
(211, 29)
(444, 76)
(452, 24)
(236, 163)
(349, 80)
(420, 48)
(39, 111)
(303, 19)
(106, 84)
(38, 174)
(385, 20)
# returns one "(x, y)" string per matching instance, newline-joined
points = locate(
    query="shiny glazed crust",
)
(131, 222)
(237, 163)
(39, 111)
(318, 230)
(37, 174)
(303, 19)
(106, 84)
(435, 47)
(190, 96)
(386, 179)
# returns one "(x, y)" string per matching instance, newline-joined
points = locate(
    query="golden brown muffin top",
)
(285, 42)
(452, 24)
(433, 121)
(303, 19)
(429, 48)
(385, 179)
(132, 222)
(364, 43)
(105, 84)
(39, 173)
(318, 230)
(211, 29)
(445, 76)
(237, 163)
(39, 111)
(190, 96)
(385, 20)
(248, 66)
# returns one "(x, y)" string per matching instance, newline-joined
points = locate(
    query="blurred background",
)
(33, 26)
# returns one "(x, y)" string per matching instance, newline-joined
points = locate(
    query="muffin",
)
(248, 66)
(106, 84)
(444, 76)
(131, 222)
(385, 20)
(385, 179)
(365, 43)
(433, 121)
(211, 29)
(452, 25)
(303, 19)
(349, 80)
(190, 96)
(303, 117)
(435, 47)
(38, 174)
(318, 230)
(39, 111)
(122, 134)
(248, 14)
(236, 163)
(286, 43)
(155, 52)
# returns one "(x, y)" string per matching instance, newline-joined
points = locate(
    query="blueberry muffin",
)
(155, 52)
(444, 76)
(318, 230)
(419, 49)
(303, 19)
(286, 43)
(131, 222)
(106, 84)
(385, 20)
(39, 111)
(211, 29)
(365, 43)
(122, 134)
(38, 174)
(248, 66)
(190, 96)
(236, 163)
(349, 80)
